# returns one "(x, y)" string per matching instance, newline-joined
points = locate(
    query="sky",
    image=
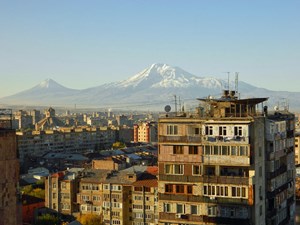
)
(82, 44)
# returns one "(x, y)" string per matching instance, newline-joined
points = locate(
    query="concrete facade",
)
(214, 165)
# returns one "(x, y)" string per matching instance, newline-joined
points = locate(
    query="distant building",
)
(145, 132)
(66, 140)
(122, 120)
(109, 163)
(125, 134)
(23, 120)
(50, 122)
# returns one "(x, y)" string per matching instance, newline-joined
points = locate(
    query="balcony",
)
(179, 217)
(231, 139)
(179, 139)
(206, 179)
(204, 199)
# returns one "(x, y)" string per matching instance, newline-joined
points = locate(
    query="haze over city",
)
(83, 44)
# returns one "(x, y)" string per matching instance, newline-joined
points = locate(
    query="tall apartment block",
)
(228, 163)
(145, 132)
(9, 167)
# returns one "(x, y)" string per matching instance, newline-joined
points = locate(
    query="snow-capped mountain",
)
(151, 88)
(44, 93)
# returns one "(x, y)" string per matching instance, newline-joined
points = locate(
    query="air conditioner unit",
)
(178, 215)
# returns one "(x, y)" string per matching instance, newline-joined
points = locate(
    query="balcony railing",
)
(206, 179)
(206, 199)
(180, 139)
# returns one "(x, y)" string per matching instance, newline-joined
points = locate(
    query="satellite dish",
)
(167, 108)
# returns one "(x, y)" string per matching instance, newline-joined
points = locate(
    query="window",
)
(141, 188)
(167, 207)
(85, 197)
(233, 192)
(243, 150)
(238, 131)
(174, 169)
(189, 189)
(138, 197)
(53, 195)
(215, 150)
(194, 209)
(116, 188)
(172, 129)
(65, 206)
(209, 130)
(96, 208)
(96, 198)
(210, 170)
(225, 150)
(63, 185)
(65, 195)
(222, 130)
(177, 149)
(114, 213)
(197, 130)
(137, 206)
(178, 169)
(180, 208)
(234, 150)
(212, 210)
(169, 188)
(54, 185)
(193, 150)
(196, 170)
(207, 149)
(179, 188)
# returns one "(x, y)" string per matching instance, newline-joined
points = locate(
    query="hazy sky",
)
(82, 44)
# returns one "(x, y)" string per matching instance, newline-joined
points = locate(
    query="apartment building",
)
(10, 210)
(220, 164)
(123, 197)
(145, 201)
(60, 191)
(80, 139)
(145, 132)
(90, 193)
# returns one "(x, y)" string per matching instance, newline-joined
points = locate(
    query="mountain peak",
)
(49, 83)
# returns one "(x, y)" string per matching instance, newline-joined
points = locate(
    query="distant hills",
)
(152, 88)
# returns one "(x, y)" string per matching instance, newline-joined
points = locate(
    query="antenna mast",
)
(236, 82)
(228, 73)
(175, 105)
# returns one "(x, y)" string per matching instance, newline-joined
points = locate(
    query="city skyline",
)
(81, 45)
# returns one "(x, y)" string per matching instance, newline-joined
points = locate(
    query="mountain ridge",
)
(157, 83)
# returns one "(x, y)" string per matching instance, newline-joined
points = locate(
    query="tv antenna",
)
(236, 82)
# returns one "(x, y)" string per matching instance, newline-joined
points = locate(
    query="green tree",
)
(47, 219)
(36, 192)
(118, 145)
